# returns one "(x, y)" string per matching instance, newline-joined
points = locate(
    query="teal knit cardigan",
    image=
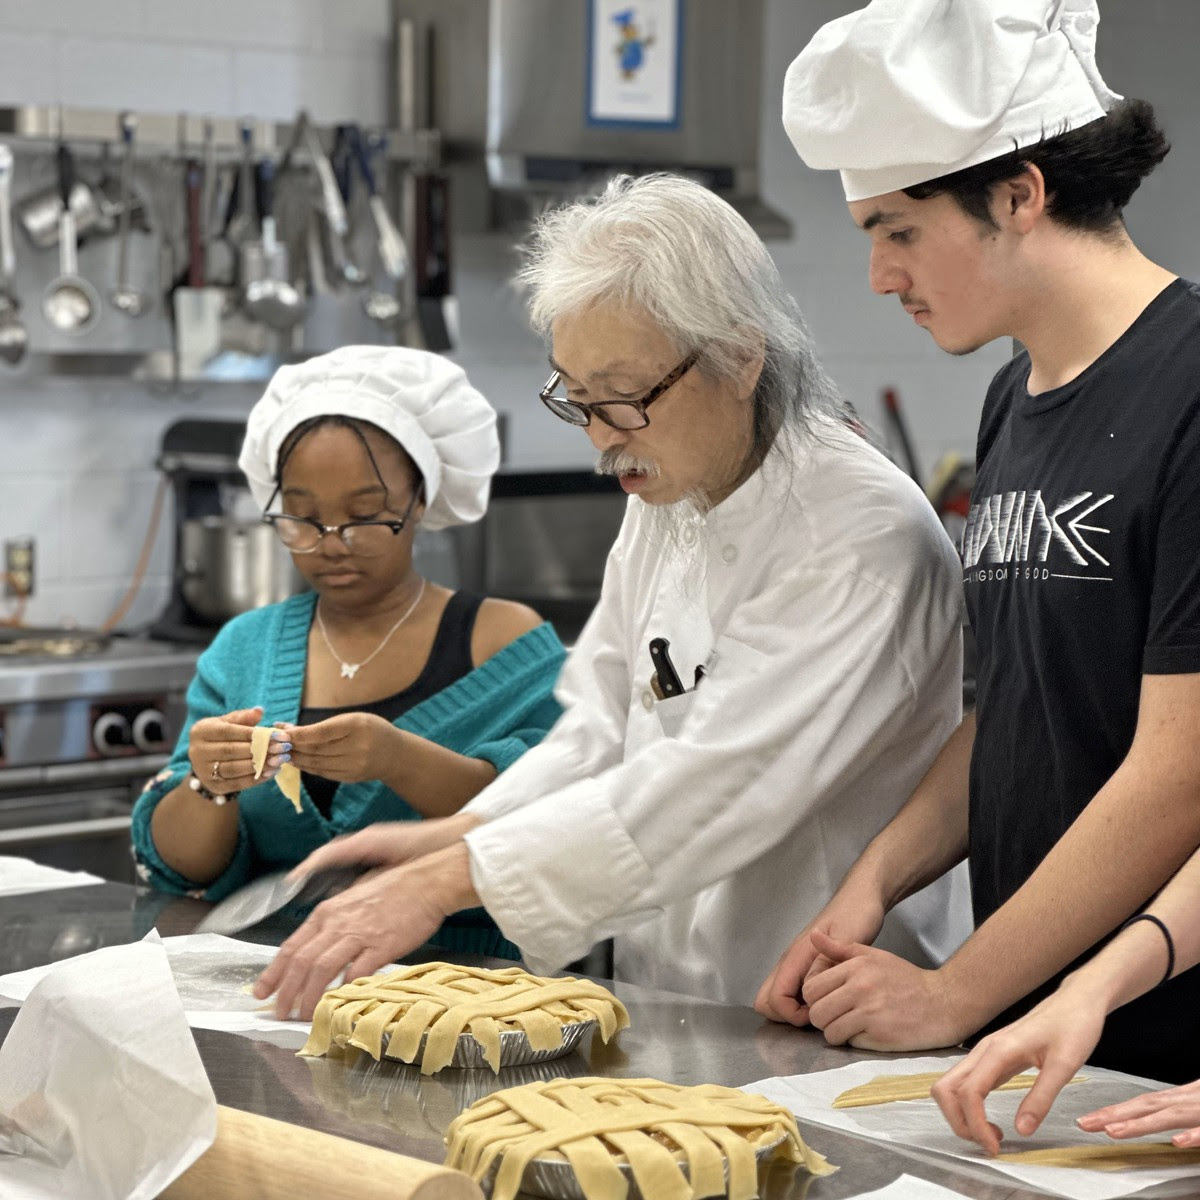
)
(496, 713)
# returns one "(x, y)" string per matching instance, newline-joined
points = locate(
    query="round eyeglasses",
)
(619, 414)
(367, 539)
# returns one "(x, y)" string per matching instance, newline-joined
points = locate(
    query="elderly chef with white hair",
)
(988, 166)
(773, 662)
(395, 698)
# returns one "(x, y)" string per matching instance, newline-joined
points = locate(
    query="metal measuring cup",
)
(70, 302)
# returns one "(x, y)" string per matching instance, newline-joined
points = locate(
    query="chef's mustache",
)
(615, 461)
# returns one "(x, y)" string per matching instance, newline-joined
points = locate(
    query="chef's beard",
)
(673, 529)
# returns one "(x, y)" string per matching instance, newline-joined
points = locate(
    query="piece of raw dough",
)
(288, 779)
(260, 743)
(596, 1124)
(1106, 1156)
(390, 1014)
(885, 1089)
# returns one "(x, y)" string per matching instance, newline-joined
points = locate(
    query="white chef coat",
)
(704, 831)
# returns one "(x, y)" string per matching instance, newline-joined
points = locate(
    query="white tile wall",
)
(110, 73)
(280, 24)
(112, 17)
(224, 57)
(76, 459)
(29, 67)
(77, 472)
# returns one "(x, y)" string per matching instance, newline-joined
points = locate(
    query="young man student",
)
(989, 165)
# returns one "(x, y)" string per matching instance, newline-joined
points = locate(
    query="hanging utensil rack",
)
(165, 145)
(170, 135)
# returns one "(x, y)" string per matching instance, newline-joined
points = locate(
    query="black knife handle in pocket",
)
(668, 677)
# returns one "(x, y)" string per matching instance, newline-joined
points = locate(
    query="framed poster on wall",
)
(634, 60)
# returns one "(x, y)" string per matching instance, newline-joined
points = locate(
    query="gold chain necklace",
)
(349, 670)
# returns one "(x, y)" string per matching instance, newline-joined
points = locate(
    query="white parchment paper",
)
(102, 1092)
(909, 1187)
(919, 1125)
(213, 975)
(18, 875)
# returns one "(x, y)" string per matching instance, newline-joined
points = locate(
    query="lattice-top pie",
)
(654, 1128)
(391, 1014)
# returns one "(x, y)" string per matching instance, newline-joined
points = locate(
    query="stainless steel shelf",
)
(38, 127)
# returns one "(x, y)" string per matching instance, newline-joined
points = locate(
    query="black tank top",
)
(449, 660)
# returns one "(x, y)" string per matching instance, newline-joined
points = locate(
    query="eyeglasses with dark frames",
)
(619, 414)
(302, 535)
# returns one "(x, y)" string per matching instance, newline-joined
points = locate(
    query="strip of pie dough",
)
(654, 1127)
(885, 1089)
(260, 742)
(288, 779)
(1106, 1156)
(288, 782)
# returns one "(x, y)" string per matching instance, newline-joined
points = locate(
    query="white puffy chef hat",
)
(420, 399)
(904, 91)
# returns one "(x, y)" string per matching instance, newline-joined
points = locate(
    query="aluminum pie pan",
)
(554, 1178)
(515, 1050)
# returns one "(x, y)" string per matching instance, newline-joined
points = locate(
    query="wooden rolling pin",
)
(257, 1158)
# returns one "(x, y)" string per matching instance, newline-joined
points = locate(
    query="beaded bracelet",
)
(1165, 932)
(194, 782)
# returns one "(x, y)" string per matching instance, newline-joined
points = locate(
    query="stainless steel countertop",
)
(677, 1038)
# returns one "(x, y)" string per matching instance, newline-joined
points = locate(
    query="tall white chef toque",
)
(421, 399)
(904, 91)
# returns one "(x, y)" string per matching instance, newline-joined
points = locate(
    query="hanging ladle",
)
(269, 294)
(381, 306)
(125, 297)
(13, 336)
(70, 303)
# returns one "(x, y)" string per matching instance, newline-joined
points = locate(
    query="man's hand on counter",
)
(383, 917)
(874, 1000)
(851, 916)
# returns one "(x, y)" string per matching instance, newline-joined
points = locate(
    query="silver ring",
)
(216, 771)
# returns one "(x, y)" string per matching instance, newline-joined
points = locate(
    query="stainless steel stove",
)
(81, 730)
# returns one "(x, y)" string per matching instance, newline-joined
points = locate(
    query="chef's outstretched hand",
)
(374, 922)
(779, 997)
(387, 844)
(878, 1001)
(1056, 1037)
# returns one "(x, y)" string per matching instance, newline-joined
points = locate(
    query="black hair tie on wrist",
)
(1166, 934)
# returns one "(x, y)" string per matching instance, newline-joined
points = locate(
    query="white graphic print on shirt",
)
(1021, 535)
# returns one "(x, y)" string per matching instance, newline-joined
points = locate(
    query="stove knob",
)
(111, 733)
(149, 730)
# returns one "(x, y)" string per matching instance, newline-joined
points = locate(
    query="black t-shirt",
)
(1082, 569)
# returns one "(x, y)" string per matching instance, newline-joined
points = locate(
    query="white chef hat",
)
(421, 399)
(904, 91)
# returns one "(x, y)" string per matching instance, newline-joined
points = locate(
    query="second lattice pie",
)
(462, 1016)
(608, 1139)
